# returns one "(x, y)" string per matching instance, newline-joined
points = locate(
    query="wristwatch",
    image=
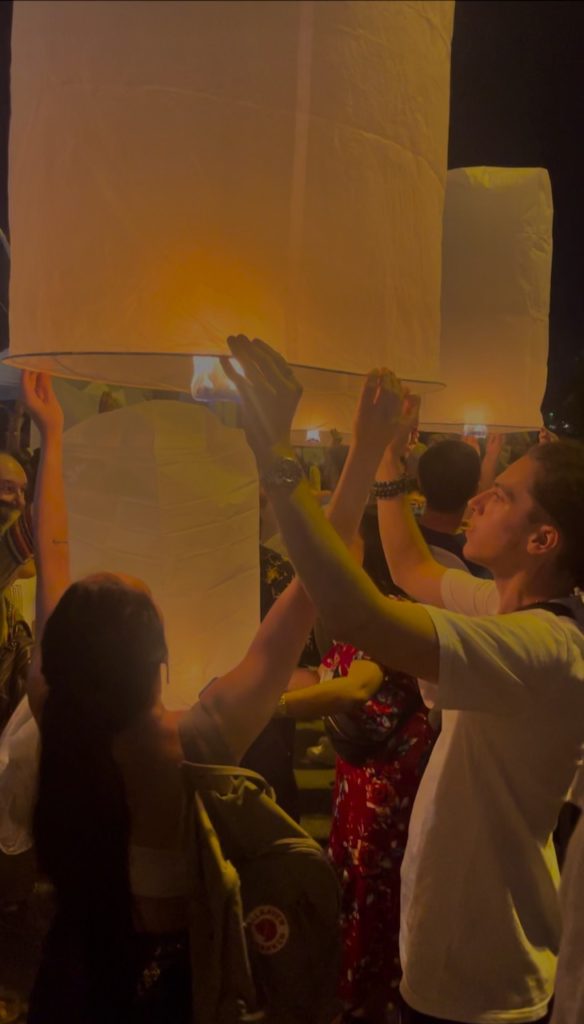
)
(285, 474)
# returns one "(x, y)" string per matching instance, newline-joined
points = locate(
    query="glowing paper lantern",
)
(164, 492)
(496, 264)
(181, 171)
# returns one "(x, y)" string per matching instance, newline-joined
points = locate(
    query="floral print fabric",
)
(371, 811)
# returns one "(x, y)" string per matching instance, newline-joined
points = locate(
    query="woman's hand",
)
(363, 680)
(386, 415)
(269, 394)
(41, 402)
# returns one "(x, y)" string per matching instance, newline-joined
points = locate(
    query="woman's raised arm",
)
(51, 535)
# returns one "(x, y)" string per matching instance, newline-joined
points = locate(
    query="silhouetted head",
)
(102, 649)
(448, 473)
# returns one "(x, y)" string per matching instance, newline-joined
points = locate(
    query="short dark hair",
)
(448, 474)
(559, 491)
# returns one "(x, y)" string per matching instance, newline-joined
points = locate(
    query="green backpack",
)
(265, 942)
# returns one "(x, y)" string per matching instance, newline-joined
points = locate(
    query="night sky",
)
(517, 101)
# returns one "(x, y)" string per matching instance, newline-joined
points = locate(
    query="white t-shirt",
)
(479, 908)
(569, 1000)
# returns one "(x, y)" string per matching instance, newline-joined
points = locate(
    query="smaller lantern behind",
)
(164, 492)
(496, 271)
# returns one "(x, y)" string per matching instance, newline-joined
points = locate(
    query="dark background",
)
(517, 101)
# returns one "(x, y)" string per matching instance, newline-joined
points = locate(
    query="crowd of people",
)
(448, 668)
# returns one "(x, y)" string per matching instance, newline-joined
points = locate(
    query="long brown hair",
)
(101, 653)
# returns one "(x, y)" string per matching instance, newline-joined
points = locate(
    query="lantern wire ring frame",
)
(171, 371)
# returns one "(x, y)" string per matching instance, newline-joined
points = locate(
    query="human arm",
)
(393, 633)
(243, 700)
(343, 694)
(50, 527)
(410, 561)
(490, 460)
(302, 679)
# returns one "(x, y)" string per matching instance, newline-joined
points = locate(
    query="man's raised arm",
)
(410, 561)
(398, 634)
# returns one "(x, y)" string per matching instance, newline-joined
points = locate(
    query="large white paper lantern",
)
(164, 492)
(496, 264)
(181, 171)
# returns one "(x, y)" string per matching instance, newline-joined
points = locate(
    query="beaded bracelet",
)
(384, 489)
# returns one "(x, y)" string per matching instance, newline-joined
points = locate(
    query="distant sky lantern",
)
(496, 264)
(182, 171)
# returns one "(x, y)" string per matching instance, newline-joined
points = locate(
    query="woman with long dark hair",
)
(108, 815)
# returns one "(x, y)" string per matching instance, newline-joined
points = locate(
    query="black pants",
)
(64, 992)
(410, 1016)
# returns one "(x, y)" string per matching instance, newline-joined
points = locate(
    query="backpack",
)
(265, 942)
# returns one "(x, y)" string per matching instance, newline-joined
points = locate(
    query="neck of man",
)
(443, 522)
(531, 586)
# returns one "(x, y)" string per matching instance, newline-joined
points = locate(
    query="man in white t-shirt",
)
(569, 995)
(480, 915)
(480, 912)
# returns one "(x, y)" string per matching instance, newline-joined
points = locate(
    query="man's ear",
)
(543, 539)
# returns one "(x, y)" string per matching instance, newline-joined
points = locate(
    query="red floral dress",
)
(371, 812)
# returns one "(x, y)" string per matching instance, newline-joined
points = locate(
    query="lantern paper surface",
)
(329, 400)
(182, 171)
(164, 492)
(496, 264)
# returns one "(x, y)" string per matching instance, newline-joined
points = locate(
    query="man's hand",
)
(269, 394)
(41, 402)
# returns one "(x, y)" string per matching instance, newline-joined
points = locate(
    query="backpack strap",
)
(205, 774)
(555, 607)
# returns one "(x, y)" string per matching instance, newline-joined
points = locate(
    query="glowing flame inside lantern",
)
(209, 382)
(313, 435)
(475, 430)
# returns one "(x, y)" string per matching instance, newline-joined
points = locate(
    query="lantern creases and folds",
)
(180, 172)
